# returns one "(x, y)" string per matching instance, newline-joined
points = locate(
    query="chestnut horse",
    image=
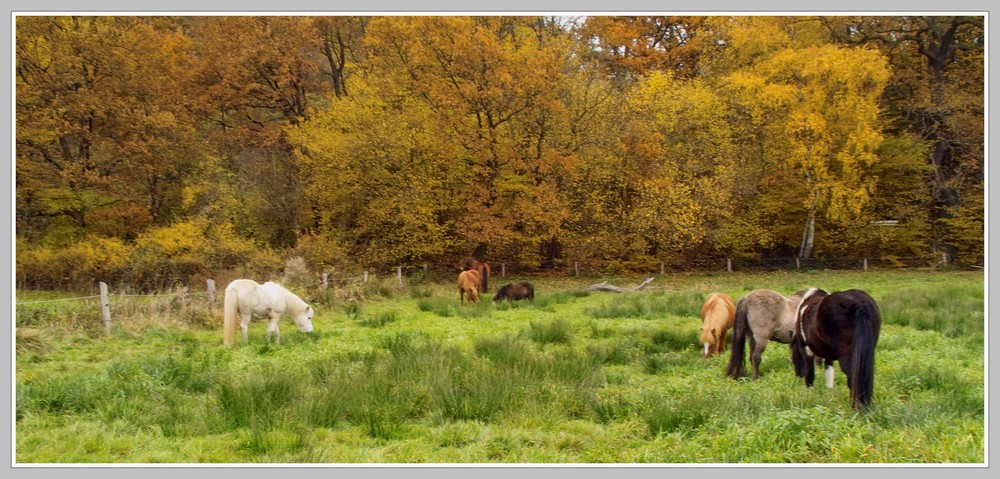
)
(716, 318)
(468, 283)
(470, 263)
(842, 327)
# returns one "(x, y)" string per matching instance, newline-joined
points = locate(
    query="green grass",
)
(401, 377)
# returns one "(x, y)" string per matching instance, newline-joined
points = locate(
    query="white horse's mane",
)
(294, 305)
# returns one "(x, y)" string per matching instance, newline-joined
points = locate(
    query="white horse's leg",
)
(244, 324)
(272, 328)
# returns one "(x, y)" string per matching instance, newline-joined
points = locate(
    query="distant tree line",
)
(165, 148)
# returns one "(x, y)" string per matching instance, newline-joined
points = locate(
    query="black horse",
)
(843, 327)
(515, 292)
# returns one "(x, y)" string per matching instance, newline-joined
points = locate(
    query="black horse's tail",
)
(867, 323)
(737, 364)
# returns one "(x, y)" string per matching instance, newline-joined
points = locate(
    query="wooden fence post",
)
(211, 293)
(944, 260)
(661, 267)
(105, 307)
(797, 264)
(576, 268)
(366, 275)
(325, 284)
(503, 270)
(729, 265)
(864, 264)
(399, 275)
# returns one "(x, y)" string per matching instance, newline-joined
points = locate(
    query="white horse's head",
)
(304, 320)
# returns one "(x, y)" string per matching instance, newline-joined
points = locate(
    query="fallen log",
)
(605, 286)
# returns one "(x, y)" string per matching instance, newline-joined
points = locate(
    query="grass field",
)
(406, 375)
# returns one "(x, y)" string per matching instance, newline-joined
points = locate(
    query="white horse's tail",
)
(229, 316)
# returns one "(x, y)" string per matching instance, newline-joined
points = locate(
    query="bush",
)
(174, 254)
(76, 265)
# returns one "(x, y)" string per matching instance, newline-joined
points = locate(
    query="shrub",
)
(77, 265)
(175, 253)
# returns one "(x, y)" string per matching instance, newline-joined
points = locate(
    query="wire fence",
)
(184, 300)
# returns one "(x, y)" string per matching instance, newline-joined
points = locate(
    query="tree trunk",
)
(808, 233)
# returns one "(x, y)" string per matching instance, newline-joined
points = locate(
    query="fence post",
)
(399, 275)
(661, 267)
(366, 275)
(576, 268)
(211, 293)
(729, 265)
(325, 284)
(944, 260)
(503, 270)
(105, 307)
(864, 264)
(797, 264)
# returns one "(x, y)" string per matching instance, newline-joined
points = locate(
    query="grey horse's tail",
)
(737, 362)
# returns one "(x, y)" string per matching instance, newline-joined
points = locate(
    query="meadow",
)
(405, 375)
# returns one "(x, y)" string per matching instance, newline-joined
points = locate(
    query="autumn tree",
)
(104, 129)
(814, 110)
(936, 93)
(342, 46)
(628, 47)
(256, 75)
(487, 82)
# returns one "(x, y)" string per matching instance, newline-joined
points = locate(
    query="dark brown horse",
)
(515, 292)
(470, 263)
(842, 327)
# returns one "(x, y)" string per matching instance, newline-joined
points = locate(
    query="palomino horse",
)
(843, 327)
(468, 283)
(765, 315)
(470, 263)
(716, 318)
(246, 298)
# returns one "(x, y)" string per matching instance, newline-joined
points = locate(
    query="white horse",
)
(246, 298)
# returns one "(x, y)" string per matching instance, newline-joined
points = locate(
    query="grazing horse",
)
(470, 263)
(468, 282)
(515, 292)
(716, 318)
(246, 298)
(765, 315)
(843, 327)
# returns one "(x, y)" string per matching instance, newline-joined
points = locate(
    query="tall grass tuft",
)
(685, 415)
(380, 320)
(32, 340)
(74, 393)
(443, 307)
(954, 310)
(505, 350)
(258, 400)
(555, 331)
(353, 310)
(653, 305)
